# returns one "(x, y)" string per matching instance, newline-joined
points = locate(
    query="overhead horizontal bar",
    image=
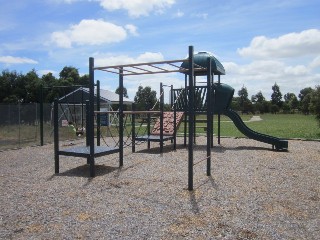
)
(141, 64)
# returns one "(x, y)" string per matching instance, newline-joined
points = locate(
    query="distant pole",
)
(41, 116)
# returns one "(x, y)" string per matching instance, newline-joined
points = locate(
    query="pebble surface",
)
(252, 193)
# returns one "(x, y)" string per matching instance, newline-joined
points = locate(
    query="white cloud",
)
(137, 8)
(315, 62)
(261, 76)
(200, 15)
(289, 45)
(178, 14)
(132, 29)
(133, 82)
(107, 60)
(90, 32)
(46, 71)
(16, 60)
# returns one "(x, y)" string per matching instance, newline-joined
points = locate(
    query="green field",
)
(278, 125)
(287, 126)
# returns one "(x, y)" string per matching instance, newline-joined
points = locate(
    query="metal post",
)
(19, 119)
(121, 116)
(191, 116)
(209, 116)
(91, 116)
(41, 116)
(133, 130)
(212, 110)
(174, 119)
(194, 116)
(185, 110)
(87, 127)
(148, 127)
(161, 117)
(219, 116)
(56, 135)
(98, 115)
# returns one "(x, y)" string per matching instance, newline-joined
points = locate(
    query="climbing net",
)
(110, 129)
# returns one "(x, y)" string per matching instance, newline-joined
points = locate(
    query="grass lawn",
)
(277, 125)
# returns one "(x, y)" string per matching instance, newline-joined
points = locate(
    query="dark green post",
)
(209, 116)
(185, 96)
(91, 117)
(56, 135)
(212, 111)
(87, 127)
(98, 115)
(191, 117)
(219, 115)
(161, 117)
(133, 130)
(121, 116)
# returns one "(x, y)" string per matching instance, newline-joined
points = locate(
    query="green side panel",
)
(222, 97)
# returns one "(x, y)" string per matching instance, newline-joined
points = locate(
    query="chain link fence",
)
(20, 125)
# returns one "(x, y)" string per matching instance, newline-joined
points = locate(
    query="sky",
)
(259, 42)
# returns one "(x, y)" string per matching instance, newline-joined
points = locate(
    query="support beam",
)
(56, 135)
(219, 118)
(98, 117)
(191, 117)
(121, 116)
(90, 131)
(209, 116)
(161, 118)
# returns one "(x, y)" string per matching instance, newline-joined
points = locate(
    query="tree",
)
(258, 98)
(145, 98)
(6, 79)
(259, 102)
(276, 96)
(304, 104)
(33, 84)
(291, 101)
(315, 103)
(125, 92)
(69, 75)
(304, 92)
(244, 102)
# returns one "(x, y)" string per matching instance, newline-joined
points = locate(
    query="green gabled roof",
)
(200, 59)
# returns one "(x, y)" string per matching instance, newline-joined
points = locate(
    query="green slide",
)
(277, 143)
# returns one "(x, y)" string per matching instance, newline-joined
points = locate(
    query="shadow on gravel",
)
(156, 150)
(83, 171)
(251, 148)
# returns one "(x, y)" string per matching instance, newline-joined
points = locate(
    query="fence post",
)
(41, 116)
(19, 119)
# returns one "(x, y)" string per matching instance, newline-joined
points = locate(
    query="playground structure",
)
(214, 98)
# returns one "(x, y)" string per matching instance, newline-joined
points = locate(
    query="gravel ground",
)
(253, 193)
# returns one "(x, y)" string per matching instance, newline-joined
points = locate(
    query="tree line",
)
(306, 102)
(25, 88)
